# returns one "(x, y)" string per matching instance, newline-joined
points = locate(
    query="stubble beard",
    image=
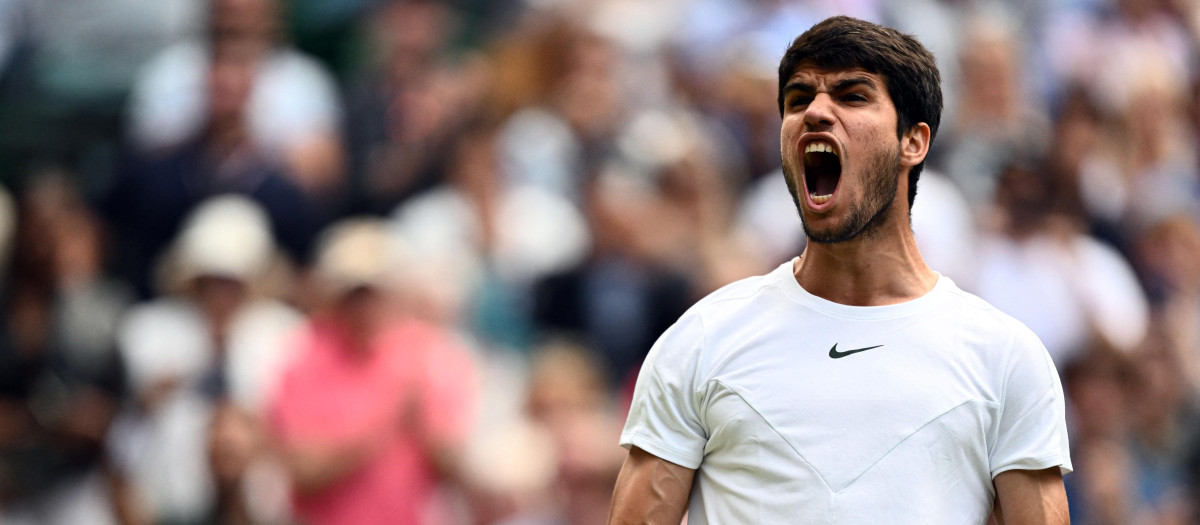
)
(868, 216)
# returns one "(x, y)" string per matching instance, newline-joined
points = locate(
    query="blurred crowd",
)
(398, 261)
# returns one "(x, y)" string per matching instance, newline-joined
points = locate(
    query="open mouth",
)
(822, 171)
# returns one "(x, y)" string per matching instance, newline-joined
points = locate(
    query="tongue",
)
(826, 183)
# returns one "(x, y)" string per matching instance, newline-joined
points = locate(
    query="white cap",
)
(226, 236)
(356, 252)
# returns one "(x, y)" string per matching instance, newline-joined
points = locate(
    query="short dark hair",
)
(908, 70)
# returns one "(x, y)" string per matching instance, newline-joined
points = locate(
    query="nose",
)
(819, 113)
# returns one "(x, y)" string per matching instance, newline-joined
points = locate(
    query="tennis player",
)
(852, 384)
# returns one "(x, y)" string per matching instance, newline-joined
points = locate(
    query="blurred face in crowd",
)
(220, 298)
(990, 72)
(1167, 255)
(360, 312)
(1150, 117)
(409, 34)
(244, 20)
(841, 157)
(1027, 196)
(230, 82)
(588, 96)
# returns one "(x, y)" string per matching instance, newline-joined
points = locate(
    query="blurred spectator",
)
(620, 298)
(514, 231)
(1077, 133)
(569, 104)
(1105, 45)
(158, 190)
(372, 414)
(61, 381)
(251, 486)
(1164, 435)
(694, 175)
(1095, 386)
(1146, 169)
(569, 398)
(553, 465)
(290, 105)
(406, 105)
(1134, 435)
(1169, 255)
(995, 118)
(1037, 266)
(512, 472)
(215, 337)
(737, 101)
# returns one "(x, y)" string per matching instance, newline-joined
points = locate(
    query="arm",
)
(313, 468)
(1031, 497)
(650, 491)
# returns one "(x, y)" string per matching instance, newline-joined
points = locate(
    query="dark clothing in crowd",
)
(150, 202)
(617, 307)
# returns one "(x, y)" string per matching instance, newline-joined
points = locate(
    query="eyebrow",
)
(848, 83)
(798, 86)
(841, 85)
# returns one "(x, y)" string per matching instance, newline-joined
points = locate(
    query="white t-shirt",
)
(293, 99)
(795, 409)
(1066, 291)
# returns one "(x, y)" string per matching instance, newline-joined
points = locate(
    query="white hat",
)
(226, 236)
(356, 252)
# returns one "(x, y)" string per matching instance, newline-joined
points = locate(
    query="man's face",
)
(841, 156)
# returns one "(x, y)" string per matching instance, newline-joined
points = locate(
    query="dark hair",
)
(908, 70)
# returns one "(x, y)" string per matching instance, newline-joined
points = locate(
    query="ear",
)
(914, 145)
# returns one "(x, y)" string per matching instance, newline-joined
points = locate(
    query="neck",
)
(882, 268)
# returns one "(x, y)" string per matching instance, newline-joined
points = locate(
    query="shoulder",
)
(967, 307)
(736, 304)
(159, 321)
(1007, 335)
(289, 61)
(163, 338)
(738, 296)
(187, 59)
(288, 70)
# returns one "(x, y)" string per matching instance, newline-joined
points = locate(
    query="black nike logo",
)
(838, 355)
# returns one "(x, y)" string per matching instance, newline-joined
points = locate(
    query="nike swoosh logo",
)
(838, 355)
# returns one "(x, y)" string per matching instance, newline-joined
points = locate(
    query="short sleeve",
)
(1032, 430)
(664, 418)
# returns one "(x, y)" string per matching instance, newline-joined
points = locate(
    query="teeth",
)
(820, 199)
(819, 147)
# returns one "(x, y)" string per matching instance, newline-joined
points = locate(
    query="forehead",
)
(824, 77)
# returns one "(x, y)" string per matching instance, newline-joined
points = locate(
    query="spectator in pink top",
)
(372, 412)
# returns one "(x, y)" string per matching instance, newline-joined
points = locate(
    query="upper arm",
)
(650, 490)
(665, 431)
(666, 416)
(1031, 430)
(1029, 497)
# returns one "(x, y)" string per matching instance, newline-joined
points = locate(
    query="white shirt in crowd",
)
(293, 99)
